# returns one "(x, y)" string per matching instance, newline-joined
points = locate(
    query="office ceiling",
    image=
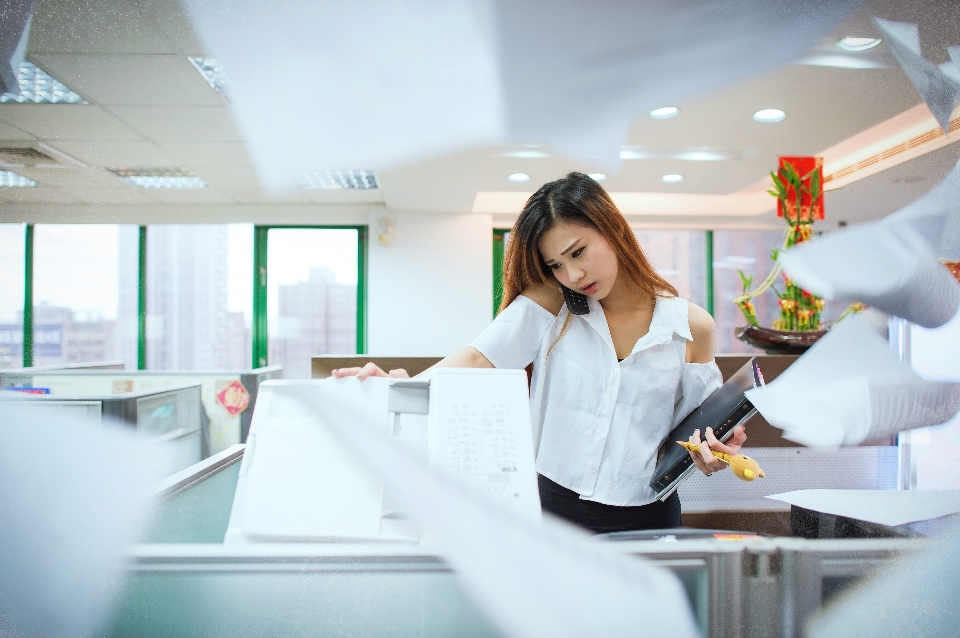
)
(149, 107)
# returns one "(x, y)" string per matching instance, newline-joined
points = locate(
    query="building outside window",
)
(11, 295)
(79, 272)
(199, 300)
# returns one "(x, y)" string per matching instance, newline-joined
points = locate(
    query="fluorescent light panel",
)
(210, 69)
(9, 179)
(37, 87)
(701, 154)
(340, 180)
(159, 177)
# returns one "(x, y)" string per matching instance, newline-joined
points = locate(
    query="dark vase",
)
(777, 341)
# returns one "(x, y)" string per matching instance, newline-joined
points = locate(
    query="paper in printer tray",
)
(723, 410)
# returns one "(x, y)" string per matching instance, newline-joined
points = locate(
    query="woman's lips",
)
(588, 290)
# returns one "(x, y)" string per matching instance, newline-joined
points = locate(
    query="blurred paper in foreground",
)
(850, 387)
(72, 496)
(913, 596)
(528, 579)
(891, 264)
(373, 84)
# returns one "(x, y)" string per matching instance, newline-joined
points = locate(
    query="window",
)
(79, 312)
(311, 295)
(11, 294)
(199, 286)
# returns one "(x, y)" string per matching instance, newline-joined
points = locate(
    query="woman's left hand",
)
(706, 461)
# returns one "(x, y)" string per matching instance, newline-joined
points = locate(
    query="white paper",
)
(850, 387)
(938, 86)
(375, 84)
(297, 483)
(73, 495)
(529, 580)
(891, 264)
(883, 507)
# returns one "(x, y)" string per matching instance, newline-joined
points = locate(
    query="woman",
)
(609, 384)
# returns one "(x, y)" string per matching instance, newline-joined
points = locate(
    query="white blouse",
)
(598, 423)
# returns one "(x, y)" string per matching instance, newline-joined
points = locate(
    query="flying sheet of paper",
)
(853, 388)
(376, 84)
(913, 596)
(939, 86)
(883, 507)
(891, 264)
(297, 482)
(528, 579)
(72, 496)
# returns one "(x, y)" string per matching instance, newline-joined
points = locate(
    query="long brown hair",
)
(578, 199)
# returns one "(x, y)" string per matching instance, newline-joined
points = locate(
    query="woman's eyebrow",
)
(565, 251)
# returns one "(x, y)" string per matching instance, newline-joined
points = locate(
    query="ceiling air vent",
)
(37, 156)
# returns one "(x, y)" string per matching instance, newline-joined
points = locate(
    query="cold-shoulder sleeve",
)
(697, 382)
(513, 339)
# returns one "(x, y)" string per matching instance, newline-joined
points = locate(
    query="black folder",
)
(723, 410)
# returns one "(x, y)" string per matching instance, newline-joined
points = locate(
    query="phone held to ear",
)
(576, 302)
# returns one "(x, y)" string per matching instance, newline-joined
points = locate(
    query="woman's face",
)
(580, 258)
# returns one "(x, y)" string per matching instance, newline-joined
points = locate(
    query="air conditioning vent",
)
(27, 156)
(36, 155)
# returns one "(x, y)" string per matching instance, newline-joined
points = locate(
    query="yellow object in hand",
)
(743, 466)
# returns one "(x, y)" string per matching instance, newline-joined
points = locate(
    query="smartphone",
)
(576, 302)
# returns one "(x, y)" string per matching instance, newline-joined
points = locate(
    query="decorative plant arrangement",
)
(797, 185)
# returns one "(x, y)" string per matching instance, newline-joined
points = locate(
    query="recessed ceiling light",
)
(37, 87)
(159, 177)
(597, 177)
(518, 177)
(850, 43)
(340, 180)
(769, 116)
(672, 178)
(9, 179)
(213, 74)
(664, 112)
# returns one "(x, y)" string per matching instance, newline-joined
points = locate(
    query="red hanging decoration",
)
(810, 211)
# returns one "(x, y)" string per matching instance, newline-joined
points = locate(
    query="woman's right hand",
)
(369, 370)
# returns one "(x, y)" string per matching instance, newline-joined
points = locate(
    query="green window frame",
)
(259, 330)
(498, 250)
(259, 337)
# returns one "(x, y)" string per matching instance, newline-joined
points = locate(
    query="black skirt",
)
(600, 518)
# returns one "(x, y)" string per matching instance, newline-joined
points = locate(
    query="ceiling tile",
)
(67, 122)
(214, 154)
(10, 132)
(170, 16)
(117, 154)
(35, 196)
(259, 196)
(181, 123)
(94, 26)
(189, 196)
(132, 79)
(345, 196)
(127, 195)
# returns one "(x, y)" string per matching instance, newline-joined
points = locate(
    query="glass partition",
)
(199, 287)
(748, 251)
(311, 295)
(11, 294)
(678, 255)
(78, 270)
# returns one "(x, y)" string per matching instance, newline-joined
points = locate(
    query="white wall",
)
(430, 291)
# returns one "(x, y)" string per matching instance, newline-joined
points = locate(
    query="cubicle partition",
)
(170, 417)
(228, 397)
(183, 580)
